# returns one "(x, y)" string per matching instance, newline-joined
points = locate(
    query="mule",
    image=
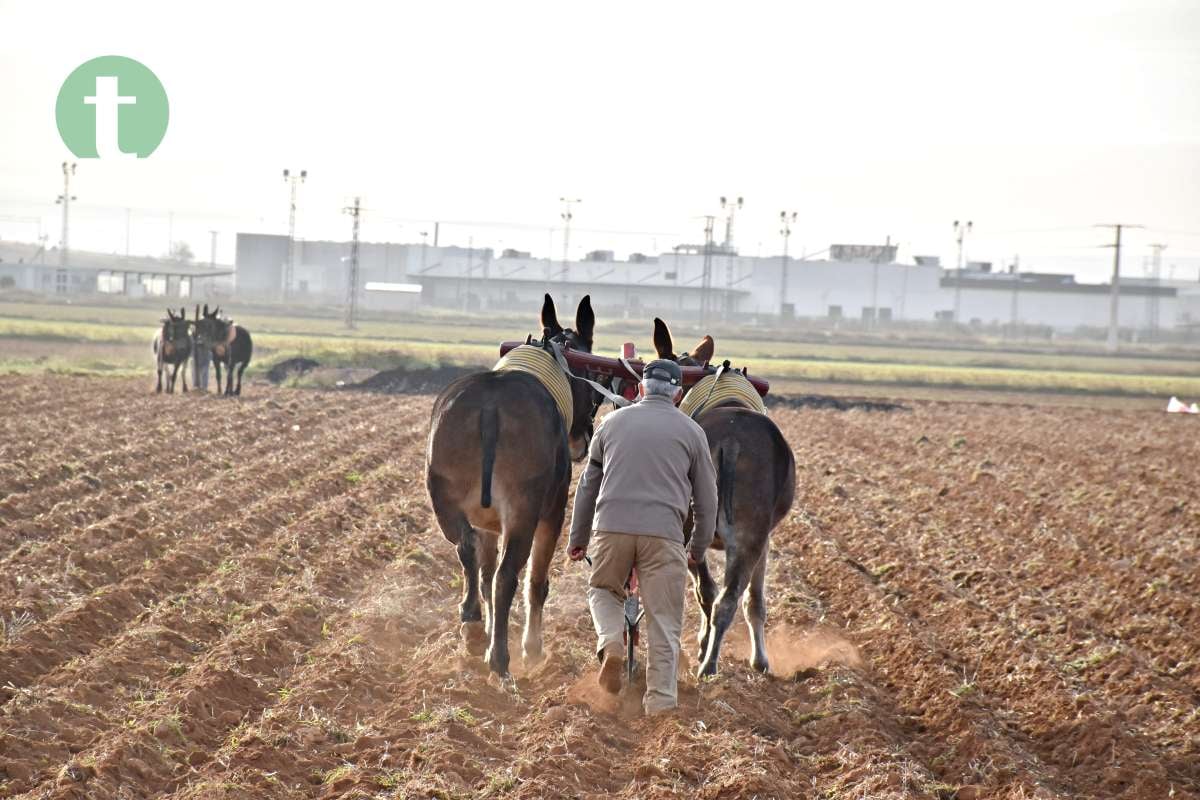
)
(756, 484)
(498, 468)
(231, 346)
(172, 345)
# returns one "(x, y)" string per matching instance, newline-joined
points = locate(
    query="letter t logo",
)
(106, 100)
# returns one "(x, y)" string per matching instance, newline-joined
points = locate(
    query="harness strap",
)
(716, 379)
(615, 399)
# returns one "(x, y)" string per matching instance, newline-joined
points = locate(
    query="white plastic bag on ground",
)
(1174, 406)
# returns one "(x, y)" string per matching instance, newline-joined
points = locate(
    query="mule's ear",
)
(662, 340)
(197, 317)
(206, 309)
(704, 351)
(170, 314)
(550, 316)
(585, 320)
(183, 312)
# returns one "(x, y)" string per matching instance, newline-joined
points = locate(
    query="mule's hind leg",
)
(459, 532)
(739, 563)
(241, 369)
(217, 365)
(704, 588)
(158, 389)
(517, 542)
(755, 611)
(486, 547)
(185, 371)
(537, 587)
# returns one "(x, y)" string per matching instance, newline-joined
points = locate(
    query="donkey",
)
(756, 483)
(231, 346)
(497, 469)
(172, 345)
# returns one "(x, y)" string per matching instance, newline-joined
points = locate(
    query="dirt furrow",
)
(249, 668)
(175, 563)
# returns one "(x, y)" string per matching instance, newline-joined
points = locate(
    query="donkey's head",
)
(175, 328)
(585, 400)
(211, 328)
(665, 347)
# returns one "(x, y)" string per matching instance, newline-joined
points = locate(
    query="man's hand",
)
(693, 562)
(577, 553)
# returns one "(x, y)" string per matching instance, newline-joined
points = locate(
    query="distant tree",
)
(182, 252)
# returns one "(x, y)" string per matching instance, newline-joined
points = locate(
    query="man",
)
(646, 464)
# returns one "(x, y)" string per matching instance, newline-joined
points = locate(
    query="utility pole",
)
(65, 199)
(289, 268)
(354, 211)
(424, 241)
(1115, 287)
(466, 298)
(731, 208)
(212, 250)
(960, 231)
(567, 216)
(874, 321)
(786, 218)
(1016, 284)
(706, 275)
(1155, 277)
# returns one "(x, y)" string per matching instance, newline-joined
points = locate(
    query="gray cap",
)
(663, 369)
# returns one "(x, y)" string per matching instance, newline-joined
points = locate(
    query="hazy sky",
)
(868, 119)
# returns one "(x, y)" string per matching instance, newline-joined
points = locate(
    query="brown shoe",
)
(610, 673)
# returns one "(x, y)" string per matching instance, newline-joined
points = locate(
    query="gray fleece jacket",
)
(647, 463)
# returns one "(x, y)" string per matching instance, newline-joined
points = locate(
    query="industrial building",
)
(859, 283)
(32, 268)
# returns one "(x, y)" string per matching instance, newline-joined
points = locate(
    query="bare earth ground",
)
(206, 598)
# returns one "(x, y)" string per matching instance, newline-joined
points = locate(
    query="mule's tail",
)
(489, 432)
(726, 467)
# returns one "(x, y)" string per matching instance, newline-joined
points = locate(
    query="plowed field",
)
(205, 598)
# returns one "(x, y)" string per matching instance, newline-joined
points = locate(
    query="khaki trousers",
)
(662, 579)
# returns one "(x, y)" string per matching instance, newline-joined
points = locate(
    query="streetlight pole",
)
(567, 216)
(289, 269)
(960, 230)
(786, 219)
(65, 199)
(731, 207)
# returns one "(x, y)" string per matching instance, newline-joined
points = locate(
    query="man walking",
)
(646, 464)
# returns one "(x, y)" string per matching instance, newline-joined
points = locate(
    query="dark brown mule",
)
(172, 345)
(756, 482)
(498, 470)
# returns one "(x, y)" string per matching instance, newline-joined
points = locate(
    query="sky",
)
(1034, 120)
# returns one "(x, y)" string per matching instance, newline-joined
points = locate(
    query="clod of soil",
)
(402, 380)
(292, 366)
(830, 402)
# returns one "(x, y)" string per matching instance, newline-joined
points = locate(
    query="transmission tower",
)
(354, 211)
(706, 275)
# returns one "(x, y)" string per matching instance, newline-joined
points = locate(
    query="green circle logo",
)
(112, 107)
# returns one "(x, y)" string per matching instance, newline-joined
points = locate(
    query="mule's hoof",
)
(534, 659)
(707, 670)
(474, 637)
(760, 666)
